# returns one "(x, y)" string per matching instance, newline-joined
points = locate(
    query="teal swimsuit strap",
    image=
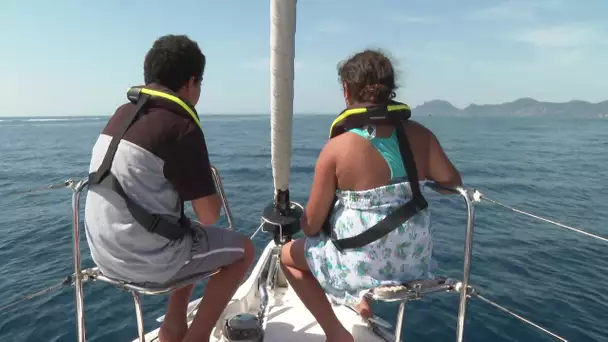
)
(388, 148)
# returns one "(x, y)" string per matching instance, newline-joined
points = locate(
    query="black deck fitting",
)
(282, 217)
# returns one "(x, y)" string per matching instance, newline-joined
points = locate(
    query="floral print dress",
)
(402, 255)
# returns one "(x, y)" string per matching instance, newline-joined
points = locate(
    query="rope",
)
(66, 281)
(518, 317)
(257, 231)
(577, 230)
(282, 52)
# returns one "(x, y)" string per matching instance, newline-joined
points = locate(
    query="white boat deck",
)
(286, 319)
(289, 320)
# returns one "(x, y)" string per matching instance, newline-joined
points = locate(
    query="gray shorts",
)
(212, 248)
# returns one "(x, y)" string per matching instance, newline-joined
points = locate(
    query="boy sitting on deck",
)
(159, 161)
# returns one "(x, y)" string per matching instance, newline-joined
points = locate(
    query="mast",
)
(282, 216)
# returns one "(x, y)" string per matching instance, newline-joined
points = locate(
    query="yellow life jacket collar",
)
(134, 93)
(363, 114)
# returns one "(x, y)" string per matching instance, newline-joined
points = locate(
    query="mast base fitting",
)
(282, 224)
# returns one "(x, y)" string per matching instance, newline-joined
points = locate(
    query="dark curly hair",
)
(368, 77)
(172, 61)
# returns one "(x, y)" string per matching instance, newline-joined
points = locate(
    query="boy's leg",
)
(219, 291)
(212, 249)
(174, 326)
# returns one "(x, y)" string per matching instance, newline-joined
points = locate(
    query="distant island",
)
(519, 108)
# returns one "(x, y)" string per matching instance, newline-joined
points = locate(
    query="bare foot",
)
(341, 335)
(364, 308)
(172, 333)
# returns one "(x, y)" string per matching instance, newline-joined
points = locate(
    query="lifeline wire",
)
(518, 317)
(66, 281)
(545, 219)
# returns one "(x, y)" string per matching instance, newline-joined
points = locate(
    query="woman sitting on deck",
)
(363, 168)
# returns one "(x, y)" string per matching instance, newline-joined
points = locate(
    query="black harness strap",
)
(153, 223)
(397, 217)
(108, 159)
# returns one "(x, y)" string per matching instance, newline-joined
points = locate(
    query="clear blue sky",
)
(75, 57)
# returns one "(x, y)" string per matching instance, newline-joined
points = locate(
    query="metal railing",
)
(419, 288)
(411, 291)
(469, 198)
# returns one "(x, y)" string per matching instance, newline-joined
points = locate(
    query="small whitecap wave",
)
(36, 120)
(61, 119)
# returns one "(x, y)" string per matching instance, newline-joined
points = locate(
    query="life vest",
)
(153, 223)
(395, 114)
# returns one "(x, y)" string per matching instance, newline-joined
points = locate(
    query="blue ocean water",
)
(555, 167)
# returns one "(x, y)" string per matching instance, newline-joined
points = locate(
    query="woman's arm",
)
(322, 192)
(440, 168)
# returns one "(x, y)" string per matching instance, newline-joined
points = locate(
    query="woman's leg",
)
(310, 292)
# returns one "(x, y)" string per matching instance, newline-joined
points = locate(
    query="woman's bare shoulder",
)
(346, 144)
(343, 140)
(335, 145)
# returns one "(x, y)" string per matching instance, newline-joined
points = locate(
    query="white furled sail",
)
(282, 53)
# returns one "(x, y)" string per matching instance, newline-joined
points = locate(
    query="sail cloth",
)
(402, 255)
